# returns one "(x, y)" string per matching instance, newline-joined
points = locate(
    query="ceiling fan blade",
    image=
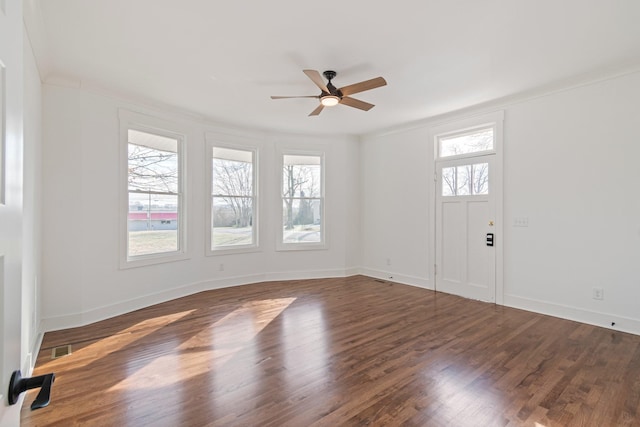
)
(317, 110)
(362, 86)
(356, 103)
(287, 97)
(317, 79)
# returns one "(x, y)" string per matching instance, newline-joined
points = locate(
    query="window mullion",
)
(160, 193)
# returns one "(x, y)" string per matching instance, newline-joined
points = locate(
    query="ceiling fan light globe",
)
(329, 100)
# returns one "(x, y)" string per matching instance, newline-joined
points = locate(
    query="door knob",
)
(18, 385)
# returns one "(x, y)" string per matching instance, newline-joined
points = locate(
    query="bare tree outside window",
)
(465, 180)
(152, 170)
(298, 178)
(233, 198)
(154, 197)
(480, 174)
(449, 181)
(471, 142)
(301, 197)
(468, 179)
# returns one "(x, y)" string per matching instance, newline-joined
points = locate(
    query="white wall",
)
(397, 179)
(82, 281)
(570, 166)
(32, 207)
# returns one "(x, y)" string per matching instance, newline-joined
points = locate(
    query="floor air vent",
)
(57, 352)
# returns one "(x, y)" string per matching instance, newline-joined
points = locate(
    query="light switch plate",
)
(520, 221)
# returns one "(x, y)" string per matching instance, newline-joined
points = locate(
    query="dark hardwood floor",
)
(334, 352)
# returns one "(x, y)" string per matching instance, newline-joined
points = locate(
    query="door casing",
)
(495, 119)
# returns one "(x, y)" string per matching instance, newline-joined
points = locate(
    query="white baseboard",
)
(605, 320)
(55, 323)
(419, 282)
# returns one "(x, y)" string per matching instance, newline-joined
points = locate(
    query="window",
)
(466, 180)
(233, 199)
(470, 142)
(154, 205)
(302, 201)
(154, 197)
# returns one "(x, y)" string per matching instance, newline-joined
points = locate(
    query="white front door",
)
(11, 94)
(465, 227)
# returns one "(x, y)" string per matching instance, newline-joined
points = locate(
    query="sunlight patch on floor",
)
(83, 356)
(226, 337)
(304, 337)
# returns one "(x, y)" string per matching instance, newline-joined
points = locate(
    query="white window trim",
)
(280, 245)
(236, 143)
(466, 126)
(145, 123)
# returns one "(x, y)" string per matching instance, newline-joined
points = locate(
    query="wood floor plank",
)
(345, 351)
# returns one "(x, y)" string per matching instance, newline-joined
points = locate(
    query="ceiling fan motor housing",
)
(332, 89)
(329, 74)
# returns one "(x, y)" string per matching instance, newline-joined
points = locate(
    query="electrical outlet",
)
(388, 261)
(221, 267)
(521, 221)
(598, 293)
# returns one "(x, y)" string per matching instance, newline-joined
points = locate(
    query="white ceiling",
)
(223, 60)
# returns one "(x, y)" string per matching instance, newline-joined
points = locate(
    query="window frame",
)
(467, 162)
(240, 144)
(470, 130)
(143, 123)
(322, 244)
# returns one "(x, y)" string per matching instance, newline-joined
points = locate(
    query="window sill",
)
(233, 251)
(146, 260)
(282, 247)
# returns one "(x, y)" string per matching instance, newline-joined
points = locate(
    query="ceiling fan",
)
(331, 96)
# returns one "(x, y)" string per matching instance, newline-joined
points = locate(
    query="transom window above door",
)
(475, 141)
